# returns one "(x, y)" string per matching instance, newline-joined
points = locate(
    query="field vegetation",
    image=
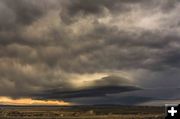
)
(82, 112)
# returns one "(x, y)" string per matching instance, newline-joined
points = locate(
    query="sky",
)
(89, 52)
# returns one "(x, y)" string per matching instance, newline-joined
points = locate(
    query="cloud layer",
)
(47, 45)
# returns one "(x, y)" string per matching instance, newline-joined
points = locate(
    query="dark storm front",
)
(172, 112)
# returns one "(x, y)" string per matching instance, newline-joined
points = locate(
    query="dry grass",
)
(93, 112)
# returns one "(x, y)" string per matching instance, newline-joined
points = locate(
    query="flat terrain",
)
(81, 112)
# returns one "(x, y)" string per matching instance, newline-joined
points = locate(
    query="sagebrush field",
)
(82, 112)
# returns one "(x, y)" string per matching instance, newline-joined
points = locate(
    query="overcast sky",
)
(70, 49)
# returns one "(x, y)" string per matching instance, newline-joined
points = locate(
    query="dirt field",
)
(82, 112)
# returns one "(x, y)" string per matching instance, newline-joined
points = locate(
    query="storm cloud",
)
(48, 45)
(100, 91)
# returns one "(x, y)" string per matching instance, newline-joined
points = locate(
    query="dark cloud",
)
(45, 44)
(159, 96)
(15, 14)
(19, 80)
(75, 9)
(88, 92)
(129, 100)
(80, 8)
(26, 12)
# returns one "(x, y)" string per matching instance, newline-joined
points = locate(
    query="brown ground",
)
(82, 112)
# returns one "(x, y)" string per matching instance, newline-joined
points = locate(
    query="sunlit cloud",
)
(28, 101)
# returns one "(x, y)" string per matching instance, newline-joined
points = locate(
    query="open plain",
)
(81, 112)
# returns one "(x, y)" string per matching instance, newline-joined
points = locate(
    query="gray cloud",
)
(100, 91)
(129, 100)
(44, 44)
(26, 12)
(159, 96)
